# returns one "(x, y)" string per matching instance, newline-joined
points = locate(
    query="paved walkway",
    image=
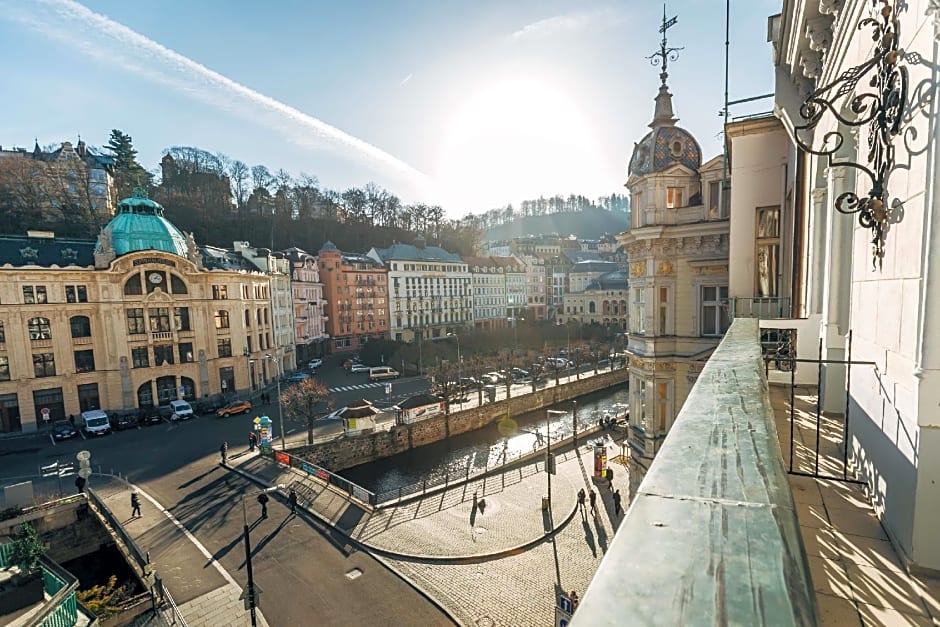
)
(206, 596)
(492, 566)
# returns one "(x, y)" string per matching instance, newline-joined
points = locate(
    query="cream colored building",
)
(603, 302)
(140, 317)
(282, 299)
(488, 287)
(678, 251)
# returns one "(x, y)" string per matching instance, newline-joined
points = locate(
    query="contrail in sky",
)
(98, 36)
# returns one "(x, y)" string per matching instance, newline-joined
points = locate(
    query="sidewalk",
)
(206, 597)
(498, 563)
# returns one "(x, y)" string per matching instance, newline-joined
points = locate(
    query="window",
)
(80, 326)
(638, 320)
(779, 348)
(674, 197)
(162, 354)
(140, 357)
(85, 361)
(665, 320)
(44, 364)
(159, 319)
(181, 318)
(247, 318)
(34, 295)
(39, 329)
(186, 352)
(221, 319)
(714, 200)
(3, 333)
(639, 403)
(714, 312)
(133, 286)
(248, 340)
(225, 346)
(4, 368)
(662, 405)
(135, 321)
(177, 285)
(767, 253)
(76, 294)
(219, 292)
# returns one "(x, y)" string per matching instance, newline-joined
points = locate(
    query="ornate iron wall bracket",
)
(881, 109)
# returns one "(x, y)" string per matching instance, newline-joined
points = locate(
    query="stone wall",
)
(352, 451)
(70, 529)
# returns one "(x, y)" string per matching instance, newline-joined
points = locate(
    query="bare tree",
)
(306, 402)
(238, 175)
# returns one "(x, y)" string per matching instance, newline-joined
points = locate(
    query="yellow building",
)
(602, 302)
(678, 252)
(140, 317)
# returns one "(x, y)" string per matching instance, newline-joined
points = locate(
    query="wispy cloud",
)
(405, 80)
(562, 24)
(100, 37)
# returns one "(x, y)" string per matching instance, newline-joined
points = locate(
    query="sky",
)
(470, 104)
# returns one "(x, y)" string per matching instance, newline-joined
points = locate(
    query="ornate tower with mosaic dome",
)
(678, 251)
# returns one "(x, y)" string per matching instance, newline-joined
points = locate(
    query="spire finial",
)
(665, 54)
(139, 190)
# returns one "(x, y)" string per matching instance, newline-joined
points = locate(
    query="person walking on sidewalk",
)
(80, 483)
(581, 497)
(293, 501)
(593, 499)
(252, 440)
(135, 505)
(617, 503)
(263, 501)
(610, 479)
(223, 451)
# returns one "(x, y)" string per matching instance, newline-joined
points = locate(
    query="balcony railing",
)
(711, 537)
(765, 307)
(61, 609)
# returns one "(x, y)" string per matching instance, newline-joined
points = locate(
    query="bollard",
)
(148, 557)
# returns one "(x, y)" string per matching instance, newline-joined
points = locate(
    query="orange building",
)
(356, 291)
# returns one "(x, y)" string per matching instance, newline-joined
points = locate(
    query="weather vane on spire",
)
(665, 54)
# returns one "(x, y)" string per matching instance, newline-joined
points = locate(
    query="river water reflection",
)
(485, 447)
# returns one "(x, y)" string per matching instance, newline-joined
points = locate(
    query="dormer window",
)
(673, 197)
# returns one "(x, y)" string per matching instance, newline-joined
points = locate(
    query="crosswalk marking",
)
(362, 386)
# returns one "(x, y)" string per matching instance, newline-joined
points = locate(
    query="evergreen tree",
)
(128, 173)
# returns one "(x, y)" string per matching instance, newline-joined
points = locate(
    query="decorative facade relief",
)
(819, 33)
(832, 8)
(664, 268)
(811, 64)
(933, 9)
(638, 269)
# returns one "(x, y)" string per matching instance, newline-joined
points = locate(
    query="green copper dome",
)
(139, 225)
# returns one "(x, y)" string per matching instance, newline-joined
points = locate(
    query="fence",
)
(322, 475)
(764, 307)
(61, 610)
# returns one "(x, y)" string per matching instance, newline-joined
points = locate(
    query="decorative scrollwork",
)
(882, 110)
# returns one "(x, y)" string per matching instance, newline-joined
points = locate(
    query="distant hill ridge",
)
(590, 223)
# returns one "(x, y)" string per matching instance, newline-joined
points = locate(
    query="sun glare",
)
(513, 140)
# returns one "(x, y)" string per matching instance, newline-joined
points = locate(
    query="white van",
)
(382, 372)
(96, 422)
(181, 410)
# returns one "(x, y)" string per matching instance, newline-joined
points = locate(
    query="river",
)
(486, 446)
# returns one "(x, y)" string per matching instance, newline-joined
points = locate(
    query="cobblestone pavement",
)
(517, 589)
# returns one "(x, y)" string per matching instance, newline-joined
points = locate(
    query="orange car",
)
(235, 407)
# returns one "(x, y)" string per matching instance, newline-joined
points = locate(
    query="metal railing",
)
(766, 307)
(61, 610)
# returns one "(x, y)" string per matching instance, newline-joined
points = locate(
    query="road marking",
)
(52, 439)
(205, 552)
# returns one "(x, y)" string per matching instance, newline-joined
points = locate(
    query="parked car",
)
(493, 378)
(156, 415)
(313, 364)
(359, 368)
(296, 377)
(63, 431)
(96, 422)
(351, 361)
(182, 410)
(518, 374)
(122, 419)
(235, 407)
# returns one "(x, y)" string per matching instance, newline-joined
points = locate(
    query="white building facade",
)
(282, 302)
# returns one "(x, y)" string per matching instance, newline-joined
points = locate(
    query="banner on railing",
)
(282, 458)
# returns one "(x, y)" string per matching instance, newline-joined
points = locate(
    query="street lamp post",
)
(250, 592)
(549, 471)
(280, 411)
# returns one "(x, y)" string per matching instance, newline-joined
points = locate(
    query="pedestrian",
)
(72, 419)
(80, 483)
(223, 451)
(263, 501)
(574, 600)
(617, 503)
(135, 505)
(252, 440)
(581, 496)
(610, 479)
(593, 499)
(293, 501)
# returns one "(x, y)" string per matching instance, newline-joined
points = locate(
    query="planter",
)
(20, 590)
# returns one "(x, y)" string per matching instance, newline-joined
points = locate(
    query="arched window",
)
(592, 308)
(189, 388)
(221, 319)
(247, 318)
(39, 329)
(145, 395)
(80, 325)
(176, 285)
(133, 286)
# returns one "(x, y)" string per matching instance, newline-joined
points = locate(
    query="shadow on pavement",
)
(589, 537)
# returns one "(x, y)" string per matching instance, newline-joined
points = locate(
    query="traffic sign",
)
(562, 618)
(565, 604)
(46, 412)
(83, 456)
(388, 388)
